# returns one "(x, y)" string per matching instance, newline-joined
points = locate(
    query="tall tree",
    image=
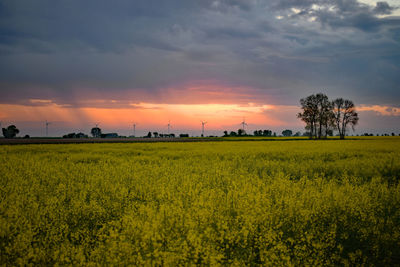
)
(309, 105)
(324, 114)
(330, 124)
(344, 114)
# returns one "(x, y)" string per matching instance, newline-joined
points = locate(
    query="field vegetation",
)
(303, 202)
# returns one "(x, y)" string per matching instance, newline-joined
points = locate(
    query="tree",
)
(70, 135)
(232, 133)
(75, 135)
(241, 132)
(287, 133)
(267, 133)
(309, 105)
(10, 132)
(96, 132)
(325, 115)
(155, 134)
(149, 135)
(329, 132)
(225, 133)
(317, 114)
(258, 133)
(345, 114)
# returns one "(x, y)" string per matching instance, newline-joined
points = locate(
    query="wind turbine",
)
(134, 129)
(243, 123)
(202, 127)
(95, 131)
(169, 125)
(47, 128)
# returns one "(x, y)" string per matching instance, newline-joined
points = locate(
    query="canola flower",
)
(211, 203)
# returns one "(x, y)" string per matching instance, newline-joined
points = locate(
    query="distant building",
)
(109, 135)
(81, 135)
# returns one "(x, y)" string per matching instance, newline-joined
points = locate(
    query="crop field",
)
(274, 203)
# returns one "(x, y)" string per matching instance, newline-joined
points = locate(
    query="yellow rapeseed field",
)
(277, 203)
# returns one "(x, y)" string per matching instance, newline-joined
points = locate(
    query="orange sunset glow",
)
(184, 116)
(153, 116)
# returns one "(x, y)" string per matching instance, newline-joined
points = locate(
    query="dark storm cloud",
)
(383, 8)
(74, 51)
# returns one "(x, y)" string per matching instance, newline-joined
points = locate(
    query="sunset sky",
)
(78, 63)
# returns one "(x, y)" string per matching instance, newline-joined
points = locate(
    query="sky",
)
(149, 62)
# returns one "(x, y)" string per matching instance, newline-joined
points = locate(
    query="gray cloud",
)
(383, 8)
(72, 51)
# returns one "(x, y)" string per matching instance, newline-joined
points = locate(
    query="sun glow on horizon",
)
(151, 114)
(155, 116)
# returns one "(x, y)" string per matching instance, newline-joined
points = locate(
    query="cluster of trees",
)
(287, 132)
(267, 133)
(385, 134)
(156, 135)
(97, 133)
(76, 135)
(263, 133)
(242, 132)
(323, 116)
(10, 132)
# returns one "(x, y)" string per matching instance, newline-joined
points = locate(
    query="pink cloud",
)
(381, 110)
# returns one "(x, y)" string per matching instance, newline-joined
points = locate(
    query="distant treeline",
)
(12, 131)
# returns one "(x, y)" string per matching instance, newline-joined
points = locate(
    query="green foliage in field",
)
(269, 203)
